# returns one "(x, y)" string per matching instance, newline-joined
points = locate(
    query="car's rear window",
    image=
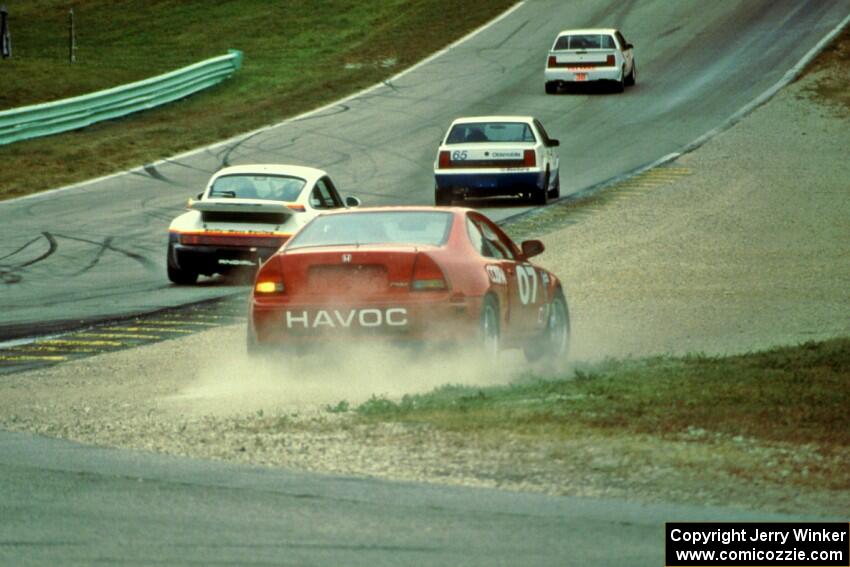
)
(590, 41)
(487, 132)
(268, 187)
(384, 227)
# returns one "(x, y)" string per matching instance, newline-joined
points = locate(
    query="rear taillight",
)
(269, 278)
(529, 158)
(553, 61)
(610, 61)
(427, 275)
(445, 160)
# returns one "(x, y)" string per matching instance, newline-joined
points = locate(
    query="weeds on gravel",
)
(796, 395)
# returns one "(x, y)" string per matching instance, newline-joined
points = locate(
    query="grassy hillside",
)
(299, 55)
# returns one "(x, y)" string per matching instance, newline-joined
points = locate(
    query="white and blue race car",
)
(484, 156)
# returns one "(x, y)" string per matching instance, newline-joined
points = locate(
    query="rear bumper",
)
(210, 260)
(489, 183)
(432, 318)
(568, 75)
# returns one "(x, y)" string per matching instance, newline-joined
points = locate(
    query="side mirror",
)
(629, 46)
(553, 143)
(199, 196)
(352, 201)
(531, 248)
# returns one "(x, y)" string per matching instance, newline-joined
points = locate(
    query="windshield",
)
(490, 132)
(584, 42)
(268, 187)
(390, 227)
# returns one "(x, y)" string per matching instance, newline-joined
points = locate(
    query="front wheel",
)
(555, 340)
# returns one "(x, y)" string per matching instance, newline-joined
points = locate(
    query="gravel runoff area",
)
(747, 251)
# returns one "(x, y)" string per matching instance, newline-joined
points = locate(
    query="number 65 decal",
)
(459, 155)
(527, 284)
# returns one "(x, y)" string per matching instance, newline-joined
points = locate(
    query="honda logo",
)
(346, 258)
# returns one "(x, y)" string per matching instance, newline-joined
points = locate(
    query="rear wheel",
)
(555, 340)
(551, 88)
(178, 275)
(488, 327)
(442, 197)
(540, 195)
(620, 84)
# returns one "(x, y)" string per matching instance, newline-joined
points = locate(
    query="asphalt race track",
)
(98, 250)
(67, 504)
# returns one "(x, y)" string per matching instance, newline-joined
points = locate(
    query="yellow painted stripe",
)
(39, 348)
(80, 343)
(177, 323)
(149, 329)
(116, 336)
(23, 357)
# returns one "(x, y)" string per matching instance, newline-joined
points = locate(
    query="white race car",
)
(245, 214)
(579, 56)
(483, 156)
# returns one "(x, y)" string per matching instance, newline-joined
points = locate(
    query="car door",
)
(551, 155)
(526, 296)
(627, 50)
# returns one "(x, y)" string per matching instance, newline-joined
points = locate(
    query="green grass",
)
(298, 55)
(796, 395)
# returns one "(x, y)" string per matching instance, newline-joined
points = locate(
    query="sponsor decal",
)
(527, 284)
(346, 258)
(336, 319)
(497, 275)
(507, 155)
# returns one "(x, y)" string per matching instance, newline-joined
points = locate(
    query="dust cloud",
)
(237, 383)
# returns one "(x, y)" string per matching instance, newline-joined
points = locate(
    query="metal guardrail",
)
(72, 113)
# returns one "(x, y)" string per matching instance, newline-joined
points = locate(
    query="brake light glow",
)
(445, 160)
(269, 287)
(610, 61)
(529, 158)
(427, 275)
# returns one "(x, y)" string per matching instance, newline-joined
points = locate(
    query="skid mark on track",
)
(13, 272)
(10, 273)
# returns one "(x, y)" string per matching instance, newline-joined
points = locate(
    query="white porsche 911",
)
(245, 214)
(484, 156)
(580, 56)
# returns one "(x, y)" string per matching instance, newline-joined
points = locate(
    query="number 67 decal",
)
(527, 284)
